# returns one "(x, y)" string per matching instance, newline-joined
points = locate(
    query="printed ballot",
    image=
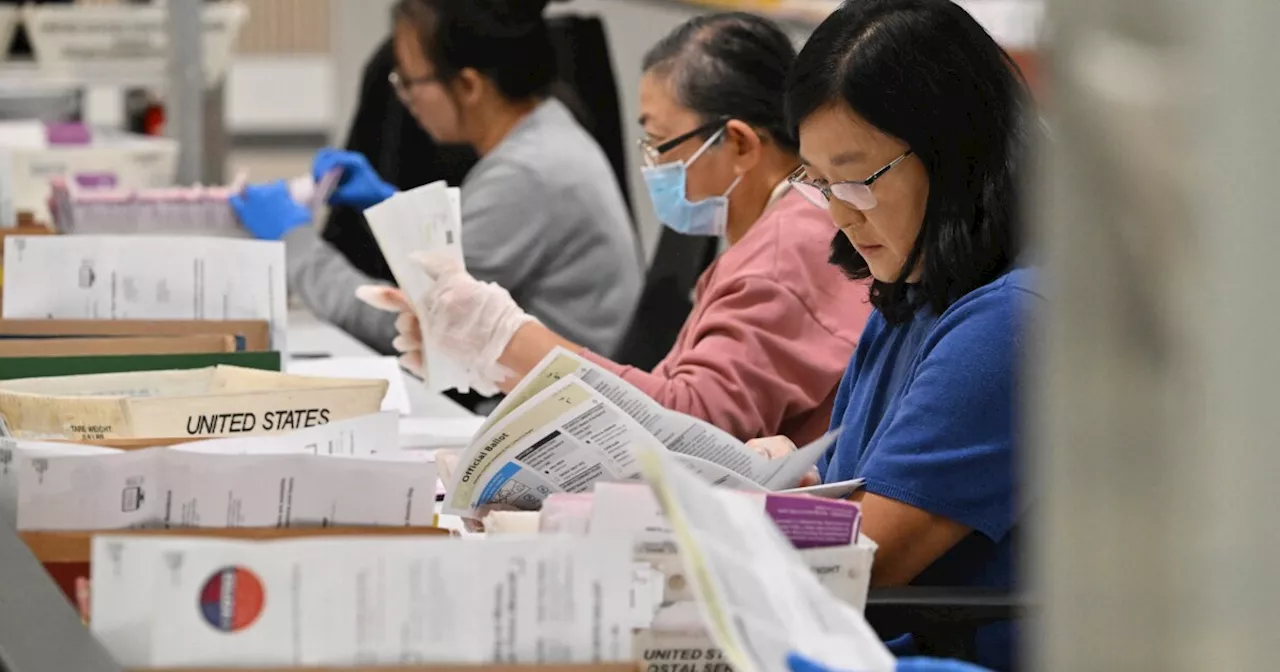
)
(184, 278)
(758, 597)
(426, 219)
(181, 404)
(361, 601)
(365, 436)
(571, 424)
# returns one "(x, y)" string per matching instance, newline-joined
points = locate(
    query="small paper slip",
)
(417, 433)
(426, 219)
(147, 278)
(361, 368)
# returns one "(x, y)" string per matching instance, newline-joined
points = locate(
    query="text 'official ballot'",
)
(196, 403)
(570, 424)
(146, 278)
(178, 602)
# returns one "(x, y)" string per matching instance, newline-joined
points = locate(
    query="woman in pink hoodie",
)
(773, 324)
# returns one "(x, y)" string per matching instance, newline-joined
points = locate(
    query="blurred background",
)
(1153, 397)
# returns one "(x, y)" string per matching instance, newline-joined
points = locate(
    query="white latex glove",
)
(471, 321)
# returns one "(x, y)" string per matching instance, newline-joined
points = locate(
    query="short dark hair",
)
(925, 72)
(730, 65)
(505, 40)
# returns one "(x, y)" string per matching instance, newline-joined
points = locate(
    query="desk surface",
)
(309, 336)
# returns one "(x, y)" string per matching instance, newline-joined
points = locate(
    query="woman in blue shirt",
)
(913, 124)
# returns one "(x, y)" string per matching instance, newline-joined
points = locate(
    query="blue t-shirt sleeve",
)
(949, 448)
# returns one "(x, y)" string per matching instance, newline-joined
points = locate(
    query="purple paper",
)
(96, 180)
(67, 133)
(810, 522)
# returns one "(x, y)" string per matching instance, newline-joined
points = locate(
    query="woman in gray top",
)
(542, 214)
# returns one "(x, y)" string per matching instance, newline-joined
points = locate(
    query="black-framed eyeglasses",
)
(856, 193)
(653, 153)
(403, 86)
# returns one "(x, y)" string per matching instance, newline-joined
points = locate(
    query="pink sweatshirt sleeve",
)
(755, 357)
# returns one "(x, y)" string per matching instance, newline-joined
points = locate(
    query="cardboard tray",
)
(250, 335)
(122, 345)
(197, 403)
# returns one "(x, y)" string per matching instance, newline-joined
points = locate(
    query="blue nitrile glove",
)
(799, 663)
(359, 187)
(268, 211)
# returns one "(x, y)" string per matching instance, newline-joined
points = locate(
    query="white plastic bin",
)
(131, 161)
(125, 42)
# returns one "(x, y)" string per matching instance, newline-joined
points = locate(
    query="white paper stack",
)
(343, 473)
(426, 219)
(146, 278)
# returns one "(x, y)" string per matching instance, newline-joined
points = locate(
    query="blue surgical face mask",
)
(668, 189)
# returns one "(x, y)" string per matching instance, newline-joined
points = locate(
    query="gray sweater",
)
(542, 216)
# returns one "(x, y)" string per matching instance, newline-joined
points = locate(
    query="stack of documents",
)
(197, 210)
(345, 473)
(183, 602)
(426, 220)
(570, 424)
(182, 405)
(183, 278)
(758, 596)
(825, 531)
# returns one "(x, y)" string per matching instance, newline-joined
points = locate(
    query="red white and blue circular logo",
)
(232, 599)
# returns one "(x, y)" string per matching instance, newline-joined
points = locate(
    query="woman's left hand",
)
(776, 447)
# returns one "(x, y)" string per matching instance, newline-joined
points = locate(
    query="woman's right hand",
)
(408, 340)
(776, 447)
(359, 186)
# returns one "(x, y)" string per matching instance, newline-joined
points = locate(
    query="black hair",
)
(730, 65)
(925, 72)
(505, 40)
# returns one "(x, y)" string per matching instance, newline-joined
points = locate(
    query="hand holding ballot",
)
(468, 320)
(484, 380)
(778, 447)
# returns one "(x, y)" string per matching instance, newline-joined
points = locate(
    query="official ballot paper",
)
(146, 278)
(759, 598)
(570, 424)
(426, 219)
(175, 602)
